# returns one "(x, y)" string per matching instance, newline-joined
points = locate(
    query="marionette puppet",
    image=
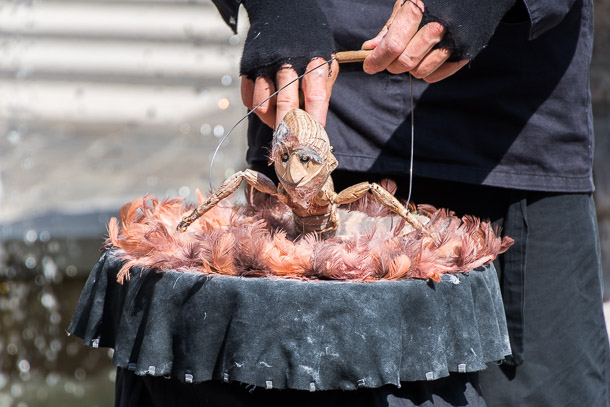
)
(301, 287)
(295, 230)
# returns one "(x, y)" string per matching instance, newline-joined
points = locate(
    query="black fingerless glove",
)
(469, 24)
(284, 32)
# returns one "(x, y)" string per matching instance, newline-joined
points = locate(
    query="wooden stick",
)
(345, 57)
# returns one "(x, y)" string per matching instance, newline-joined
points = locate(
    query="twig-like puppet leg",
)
(256, 179)
(388, 200)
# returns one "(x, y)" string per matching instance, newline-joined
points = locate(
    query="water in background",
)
(39, 364)
(101, 102)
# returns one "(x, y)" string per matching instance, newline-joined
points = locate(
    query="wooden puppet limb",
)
(257, 180)
(388, 200)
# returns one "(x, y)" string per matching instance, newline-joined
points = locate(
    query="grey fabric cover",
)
(303, 335)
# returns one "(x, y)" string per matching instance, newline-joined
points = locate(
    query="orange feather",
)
(260, 241)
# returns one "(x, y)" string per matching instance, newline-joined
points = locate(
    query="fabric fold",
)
(290, 334)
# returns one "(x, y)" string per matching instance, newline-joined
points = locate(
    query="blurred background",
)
(102, 101)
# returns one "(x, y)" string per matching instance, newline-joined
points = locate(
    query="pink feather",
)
(259, 241)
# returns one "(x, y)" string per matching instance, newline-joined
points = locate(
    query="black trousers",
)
(132, 390)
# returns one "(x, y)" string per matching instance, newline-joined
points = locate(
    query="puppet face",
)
(300, 166)
(302, 155)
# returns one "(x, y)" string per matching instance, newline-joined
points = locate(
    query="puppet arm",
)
(257, 180)
(388, 200)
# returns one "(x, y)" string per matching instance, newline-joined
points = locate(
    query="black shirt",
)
(519, 116)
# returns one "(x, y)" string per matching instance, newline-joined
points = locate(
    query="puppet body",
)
(285, 231)
(303, 160)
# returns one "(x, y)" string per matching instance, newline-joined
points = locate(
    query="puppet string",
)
(412, 138)
(222, 140)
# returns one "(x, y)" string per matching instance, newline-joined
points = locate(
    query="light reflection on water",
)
(40, 364)
(61, 151)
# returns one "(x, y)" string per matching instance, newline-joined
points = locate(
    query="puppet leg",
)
(256, 179)
(388, 200)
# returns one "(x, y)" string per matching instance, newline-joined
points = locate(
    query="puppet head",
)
(301, 154)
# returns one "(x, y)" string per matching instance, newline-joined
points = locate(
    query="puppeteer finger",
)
(317, 87)
(431, 62)
(399, 34)
(247, 92)
(372, 43)
(445, 70)
(418, 48)
(263, 88)
(288, 98)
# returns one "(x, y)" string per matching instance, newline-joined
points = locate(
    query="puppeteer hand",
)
(316, 87)
(285, 39)
(402, 46)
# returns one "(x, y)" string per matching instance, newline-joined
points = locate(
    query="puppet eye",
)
(304, 159)
(285, 157)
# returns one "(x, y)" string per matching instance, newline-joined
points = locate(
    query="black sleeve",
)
(283, 32)
(546, 14)
(228, 10)
(469, 24)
